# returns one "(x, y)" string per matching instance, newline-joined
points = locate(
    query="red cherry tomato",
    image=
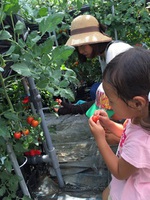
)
(25, 131)
(25, 100)
(95, 118)
(30, 119)
(34, 123)
(17, 135)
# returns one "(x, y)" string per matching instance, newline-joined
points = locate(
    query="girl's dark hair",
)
(129, 75)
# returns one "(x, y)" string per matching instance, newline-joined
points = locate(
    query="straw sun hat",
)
(85, 30)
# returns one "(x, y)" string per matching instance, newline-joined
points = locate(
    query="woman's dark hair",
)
(98, 48)
(102, 28)
(129, 74)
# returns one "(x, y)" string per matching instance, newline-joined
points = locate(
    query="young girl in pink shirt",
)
(126, 82)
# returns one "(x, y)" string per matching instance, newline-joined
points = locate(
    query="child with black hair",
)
(126, 82)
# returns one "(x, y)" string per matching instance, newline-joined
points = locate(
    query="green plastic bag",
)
(94, 107)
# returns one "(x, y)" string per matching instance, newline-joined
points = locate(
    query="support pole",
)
(17, 170)
(113, 13)
(36, 100)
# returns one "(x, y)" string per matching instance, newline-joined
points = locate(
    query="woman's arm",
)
(74, 109)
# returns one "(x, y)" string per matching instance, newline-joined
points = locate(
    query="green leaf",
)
(79, 4)
(142, 31)
(63, 67)
(43, 11)
(67, 93)
(57, 74)
(4, 35)
(49, 23)
(2, 15)
(60, 54)
(28, 9)
(4, 129)
(11, 7)
(42, 84)
(2, 61)
(26, 198)
(8, 197)
(30, 139)
(11, 116)
(63, 84)
(10, 50)
(22, 69)
(21, 42)
(33, 38)
(18, 147)
(8, 165)
(50, 89)
(19, 27)
(15, 57)
(2, 190)
(46, 47)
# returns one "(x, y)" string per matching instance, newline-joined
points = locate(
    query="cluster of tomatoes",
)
(31, 121)
(19, 134)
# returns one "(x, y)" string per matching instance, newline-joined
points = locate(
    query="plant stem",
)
(13, 26)
(5, 93)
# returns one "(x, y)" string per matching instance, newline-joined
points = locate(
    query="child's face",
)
(85, 50)
(121, 109)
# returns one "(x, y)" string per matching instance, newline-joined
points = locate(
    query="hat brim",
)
(93, 108)
(87, 38)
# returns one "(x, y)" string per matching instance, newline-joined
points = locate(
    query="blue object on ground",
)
(79, 102)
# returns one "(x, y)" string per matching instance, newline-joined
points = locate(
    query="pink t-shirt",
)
(134, 147)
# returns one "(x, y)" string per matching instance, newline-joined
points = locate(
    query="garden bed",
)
(82, 167)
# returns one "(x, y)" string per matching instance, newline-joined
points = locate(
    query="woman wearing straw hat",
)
(89, 38)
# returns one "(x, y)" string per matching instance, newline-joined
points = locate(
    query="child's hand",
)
(104, 119)
(96, 129)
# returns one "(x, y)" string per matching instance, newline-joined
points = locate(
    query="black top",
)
(74, 109)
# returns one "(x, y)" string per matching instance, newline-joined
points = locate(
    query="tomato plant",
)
(95, 118)
(34, 123)
(17, 135)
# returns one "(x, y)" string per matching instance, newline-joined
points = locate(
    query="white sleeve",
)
(115, 49)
